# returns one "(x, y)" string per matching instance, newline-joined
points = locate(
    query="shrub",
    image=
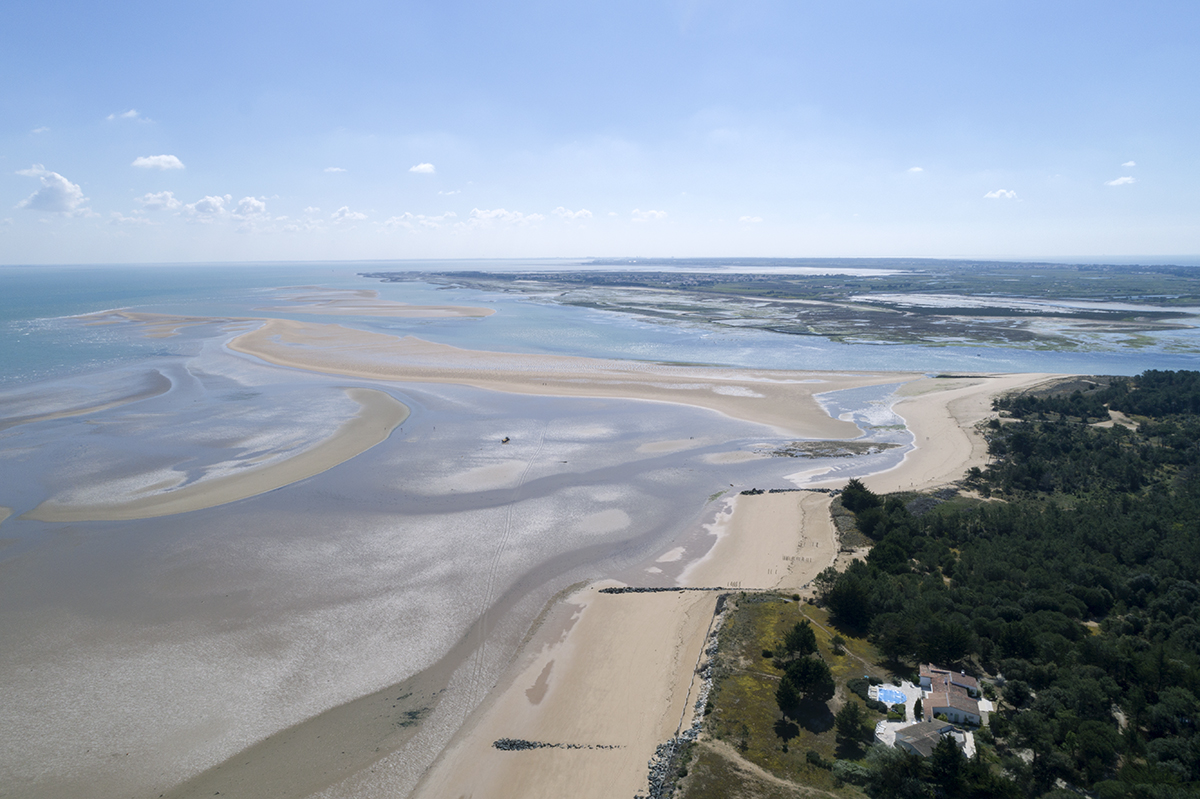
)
(858, 685)
(851, 772)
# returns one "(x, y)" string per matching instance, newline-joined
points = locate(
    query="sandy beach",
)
(942, 414)
(617, 669)
(608, 675)
(781, 399)
(378, 416)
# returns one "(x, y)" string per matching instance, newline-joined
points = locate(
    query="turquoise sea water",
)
(41, 340)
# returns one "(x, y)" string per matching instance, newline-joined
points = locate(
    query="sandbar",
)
(378, 416)
(157, 325)
(365, 302)
(782, 399)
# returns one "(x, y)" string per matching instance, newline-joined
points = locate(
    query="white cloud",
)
(57, 194)
(250, 207)
(1123, 181)
(450, 193)
(308, 224)
(209, 207)
(154, 201)
(117, 219)
(42, 129)
(413, 221)
(344, 214)
(334, 169)
(915, 169)
(490, 218)
(1001, 194)
(157, 162)
(568, 214)
(424, 169)
(612, 213)
(647, 216)
(6, 221)
(130, 114)
(751, 219)
(1129, 163)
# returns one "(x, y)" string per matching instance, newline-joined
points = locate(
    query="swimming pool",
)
(891, 696)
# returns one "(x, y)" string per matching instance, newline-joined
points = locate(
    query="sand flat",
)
(782, 399)
(378, 416)
(160, 384)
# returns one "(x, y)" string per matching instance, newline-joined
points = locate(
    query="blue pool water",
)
(891, 696)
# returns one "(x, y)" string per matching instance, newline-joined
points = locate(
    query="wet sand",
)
(378, 416)
(160, 384)
(781, 399)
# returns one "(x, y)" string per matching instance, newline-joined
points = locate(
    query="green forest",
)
(1074, 574)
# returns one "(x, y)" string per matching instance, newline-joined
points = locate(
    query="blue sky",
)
(248, 131)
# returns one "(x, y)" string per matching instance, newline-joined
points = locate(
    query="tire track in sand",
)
(479, 659)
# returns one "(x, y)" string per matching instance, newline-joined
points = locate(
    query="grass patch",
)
(713, 775)
(744, 714)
